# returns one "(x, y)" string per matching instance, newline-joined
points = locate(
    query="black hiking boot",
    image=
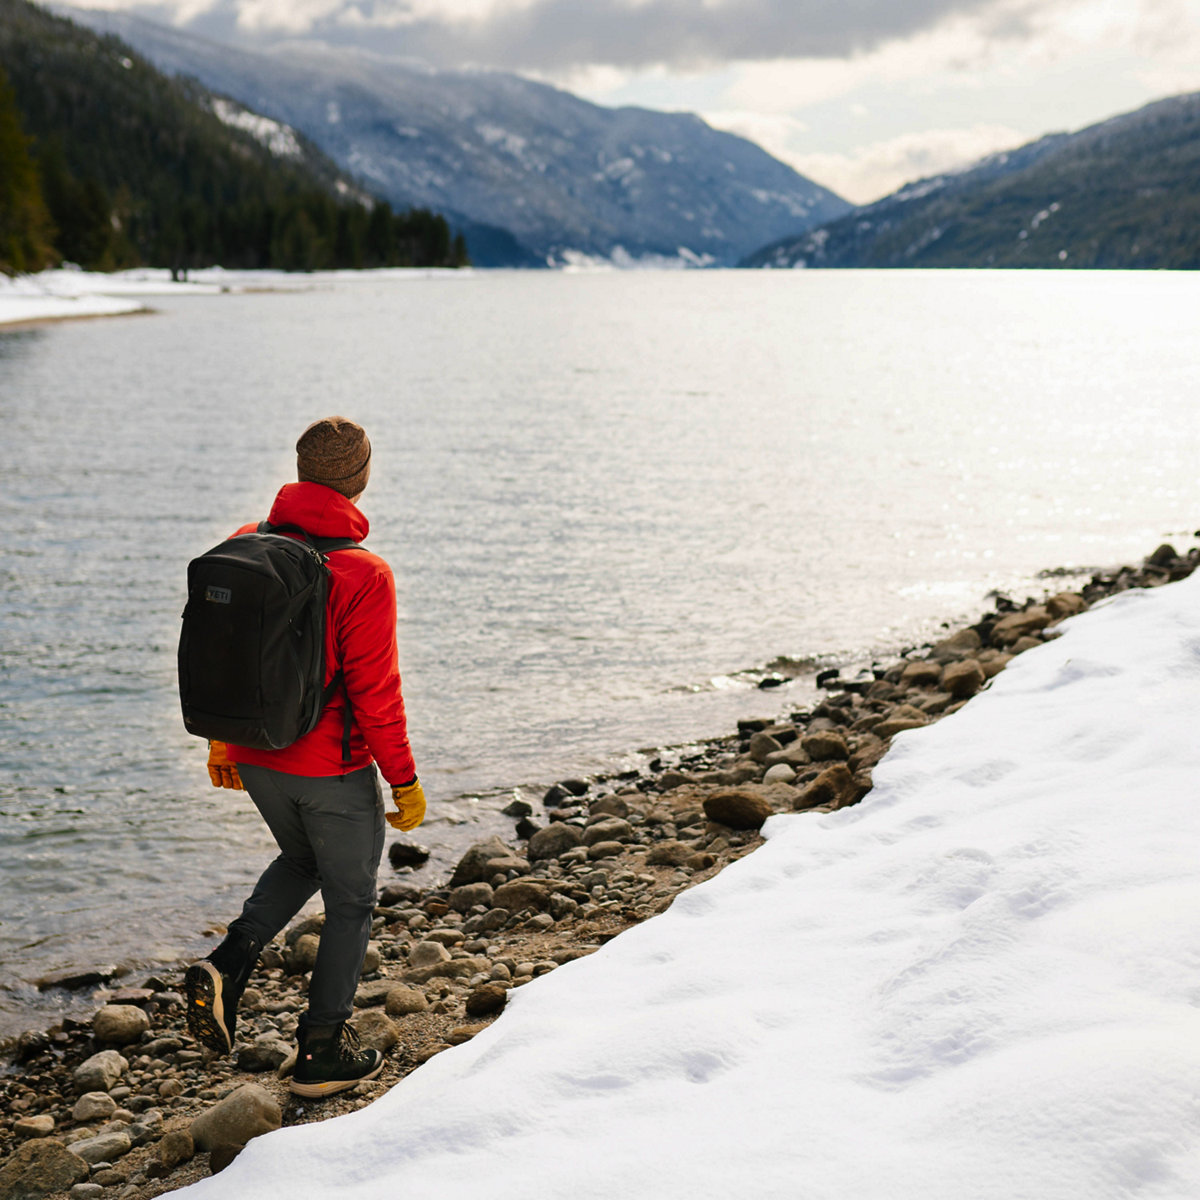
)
(213, 987)
(329, 1059)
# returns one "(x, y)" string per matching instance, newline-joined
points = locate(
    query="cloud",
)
(869, 172)
(557, 35)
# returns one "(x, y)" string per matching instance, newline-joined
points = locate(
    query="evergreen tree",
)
(25, 231)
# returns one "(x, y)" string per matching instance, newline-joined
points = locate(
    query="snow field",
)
(982, 983)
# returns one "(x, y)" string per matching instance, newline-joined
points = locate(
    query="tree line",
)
(107, 163)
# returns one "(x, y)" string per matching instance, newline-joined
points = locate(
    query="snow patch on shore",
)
(983, 981)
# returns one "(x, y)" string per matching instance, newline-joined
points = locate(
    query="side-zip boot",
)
(213, 987)
(329, 1059)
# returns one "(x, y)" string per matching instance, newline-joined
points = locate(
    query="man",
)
(323, 807)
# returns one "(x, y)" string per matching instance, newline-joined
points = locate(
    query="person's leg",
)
(343, 821)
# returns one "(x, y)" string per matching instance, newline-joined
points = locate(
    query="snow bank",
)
(983, 983)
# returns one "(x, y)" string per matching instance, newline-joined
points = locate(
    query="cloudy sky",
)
(860, 95)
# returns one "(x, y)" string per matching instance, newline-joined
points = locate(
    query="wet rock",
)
(402, 1001)
(39, 1168)
(522, 893)
(762, 744)
(737, 808)
(42, 1125)
(901, 718)
(553, 840)
(575, 787)
(668, 853)
(473, 866)
(526, 828)
(100, 1072)
(963, 679)
(518, 808)
(29, 1045)
(407, 854)
(104, 1147)
(486, 999)
(93, 1106)
(242, 1115)
(464, 898)
(119, 1024)
(76, 981)
(824, 745)
(376, 1030)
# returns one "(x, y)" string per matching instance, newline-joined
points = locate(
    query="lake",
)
(610, 500)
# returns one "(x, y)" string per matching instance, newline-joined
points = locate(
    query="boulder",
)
(963, 679)
(370, 995)
(1065, 604)
(407, 854)
(100, 1072)
(486, 999)
(94, 1106)
(553, 840)
(242, 1115)
(762, 744)
(834, 786)
(266, 1053)
(464, 898)
(104, 1147)
(738, 808)
(426, 954)
(607, 829)
(39, 1168)
(472, 867)
(119, 1024)
(522, 893)
(824, 745)
(376, 1030)
(668, 854)
(401, 1001)
(902, 717)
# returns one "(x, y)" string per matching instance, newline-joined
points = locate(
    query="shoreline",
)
(608, 855)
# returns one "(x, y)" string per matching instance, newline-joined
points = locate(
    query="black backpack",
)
(252, 647)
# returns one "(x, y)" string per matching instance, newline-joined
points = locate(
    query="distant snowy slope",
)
(983, 982)
(497, 150)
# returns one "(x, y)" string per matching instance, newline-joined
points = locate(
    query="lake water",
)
(608, 499)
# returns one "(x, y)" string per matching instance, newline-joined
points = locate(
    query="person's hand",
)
(409, 799)
(222, 772)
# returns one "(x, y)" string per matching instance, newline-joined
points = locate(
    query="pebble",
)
(93, 1106)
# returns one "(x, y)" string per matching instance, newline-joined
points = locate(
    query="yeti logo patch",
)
(218, 595)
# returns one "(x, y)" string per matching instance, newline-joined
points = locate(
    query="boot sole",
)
(205, 1007)
(330, 1087)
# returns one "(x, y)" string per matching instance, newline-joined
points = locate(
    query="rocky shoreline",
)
(127, 1105)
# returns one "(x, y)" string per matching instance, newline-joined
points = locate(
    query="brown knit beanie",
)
(334, 451)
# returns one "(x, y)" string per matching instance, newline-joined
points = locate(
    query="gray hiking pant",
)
(330, 836)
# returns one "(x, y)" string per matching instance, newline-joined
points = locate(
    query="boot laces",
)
(349, 1043)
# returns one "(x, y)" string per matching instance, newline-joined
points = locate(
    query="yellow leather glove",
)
(409, 799)
(222, 772)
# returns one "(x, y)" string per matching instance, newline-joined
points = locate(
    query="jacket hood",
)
(319, 511)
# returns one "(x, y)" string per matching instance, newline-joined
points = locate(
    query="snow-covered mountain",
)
(529, 172)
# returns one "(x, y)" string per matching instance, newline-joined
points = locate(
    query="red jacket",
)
(360, 637)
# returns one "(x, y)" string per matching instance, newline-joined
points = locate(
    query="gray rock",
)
(104, 1147)
(401, 1001)
(93, 1106)
(473, 866)
(463, 899)
(39, 1168)
(100, 1072)
(119, 1024)
(86, 1191)
(562, 907)
(779, 773)
(553, 840)
(541, 921)
(376, 1030)
(266, 1053)
(242, 1115)
(426, 954)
